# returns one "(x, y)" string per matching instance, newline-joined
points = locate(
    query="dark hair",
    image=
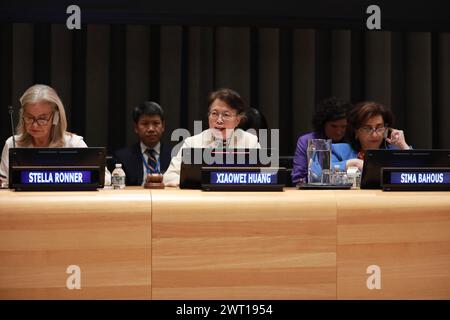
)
(230, 97)
(253, 119)
(362, 112)
(330, 109)
(148, 108)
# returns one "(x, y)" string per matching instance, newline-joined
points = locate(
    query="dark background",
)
(282, 56)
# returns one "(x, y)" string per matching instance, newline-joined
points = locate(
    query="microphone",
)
(11, 111)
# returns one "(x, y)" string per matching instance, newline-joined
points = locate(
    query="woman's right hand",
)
(397, 138)
(354, 163)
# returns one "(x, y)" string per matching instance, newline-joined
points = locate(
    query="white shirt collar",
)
(231, 142)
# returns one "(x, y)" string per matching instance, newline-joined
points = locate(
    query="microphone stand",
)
(11, 111)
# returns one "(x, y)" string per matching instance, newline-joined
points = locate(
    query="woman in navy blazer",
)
(369, 127)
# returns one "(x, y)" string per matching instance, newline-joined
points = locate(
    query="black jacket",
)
(131, 160)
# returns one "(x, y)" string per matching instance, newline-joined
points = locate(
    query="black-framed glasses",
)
(41, 121)
(369, 130)
(225, 116)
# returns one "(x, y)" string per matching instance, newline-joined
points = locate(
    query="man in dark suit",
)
(149, 155)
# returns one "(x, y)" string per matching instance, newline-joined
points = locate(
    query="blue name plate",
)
(55, 177)
(242, 178)
(416, 179)
(430, 177)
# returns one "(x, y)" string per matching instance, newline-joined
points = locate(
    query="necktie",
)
(152, 162)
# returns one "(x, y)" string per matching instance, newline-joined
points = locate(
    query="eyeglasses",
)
(369, 130)
(40, 121)
(225, 116)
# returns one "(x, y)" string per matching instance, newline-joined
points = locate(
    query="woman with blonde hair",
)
(42, 124)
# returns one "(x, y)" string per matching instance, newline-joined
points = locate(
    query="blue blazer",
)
(341, 152)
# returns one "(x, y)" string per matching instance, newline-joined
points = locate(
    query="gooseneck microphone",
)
(11, 111)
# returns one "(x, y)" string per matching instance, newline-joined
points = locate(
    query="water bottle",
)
(355, 177)
(335, 175)
(118, 177)
(339, 177)
(358, 179)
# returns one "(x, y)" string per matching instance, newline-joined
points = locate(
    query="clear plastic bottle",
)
(118, 177)
(339, 177)
(334, 175)
(354, 175)
(358, 179)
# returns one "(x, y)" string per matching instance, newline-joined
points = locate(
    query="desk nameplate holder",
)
(54, 178)
(242, 179)
(415, 179)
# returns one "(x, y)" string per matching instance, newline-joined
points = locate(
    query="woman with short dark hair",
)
(225, 111)
(329, 122)
(370, 127)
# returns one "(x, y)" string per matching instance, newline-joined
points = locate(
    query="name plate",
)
(24, 178)
(227, 177)
(55, 177)
(417, 179)
(242, 179)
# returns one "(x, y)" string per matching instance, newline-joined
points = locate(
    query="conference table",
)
(138, 243)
